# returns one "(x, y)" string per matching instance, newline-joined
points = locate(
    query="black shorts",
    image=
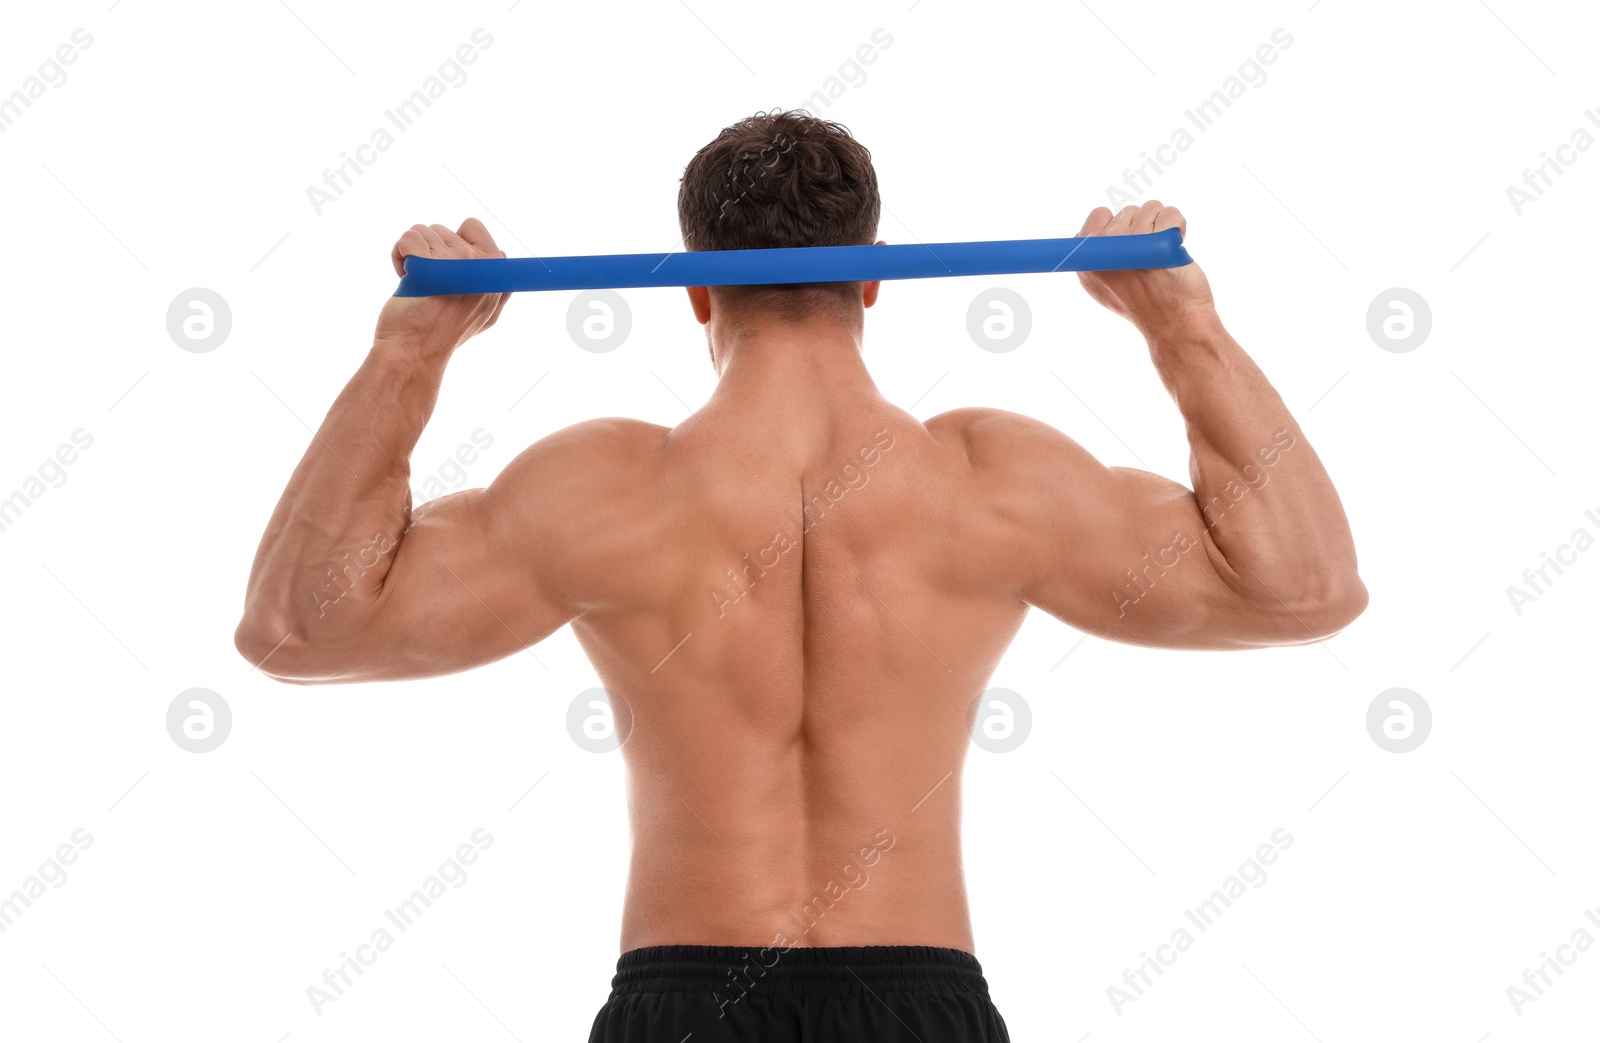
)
(737, 994)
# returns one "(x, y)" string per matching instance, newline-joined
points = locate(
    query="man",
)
(796, 596)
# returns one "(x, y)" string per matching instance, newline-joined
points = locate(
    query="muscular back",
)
(801, 629)
(797, 595)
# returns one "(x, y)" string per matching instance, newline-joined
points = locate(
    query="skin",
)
(796, 728)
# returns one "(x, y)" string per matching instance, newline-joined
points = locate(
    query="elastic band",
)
(433, 277)
(800, 972)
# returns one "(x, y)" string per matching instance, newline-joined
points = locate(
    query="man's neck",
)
(803, 364)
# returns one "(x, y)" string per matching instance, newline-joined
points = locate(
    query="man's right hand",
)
(439, 325)
(1158, 300)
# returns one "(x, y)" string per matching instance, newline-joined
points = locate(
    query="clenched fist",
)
(435, 325)
(1157, 300)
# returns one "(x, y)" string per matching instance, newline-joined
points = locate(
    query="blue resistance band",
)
(434, 277)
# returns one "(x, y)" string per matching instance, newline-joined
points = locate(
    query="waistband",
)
(802, 972)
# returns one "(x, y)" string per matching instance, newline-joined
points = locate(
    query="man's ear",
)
(869, 290)
(700, 301)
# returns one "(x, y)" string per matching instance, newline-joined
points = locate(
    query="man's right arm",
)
(1258, 553)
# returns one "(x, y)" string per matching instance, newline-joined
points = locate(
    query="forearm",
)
(333, 536)
(1267, 502)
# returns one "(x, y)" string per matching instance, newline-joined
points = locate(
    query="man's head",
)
(781, 179)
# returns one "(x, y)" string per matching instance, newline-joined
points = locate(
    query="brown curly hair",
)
(778, 179)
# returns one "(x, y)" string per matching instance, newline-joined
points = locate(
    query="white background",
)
(1376, 154)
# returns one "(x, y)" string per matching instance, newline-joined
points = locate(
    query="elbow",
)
(1334, 608)
(286, 650)
(271, 647)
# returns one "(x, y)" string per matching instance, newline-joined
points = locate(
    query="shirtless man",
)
(796, 596)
